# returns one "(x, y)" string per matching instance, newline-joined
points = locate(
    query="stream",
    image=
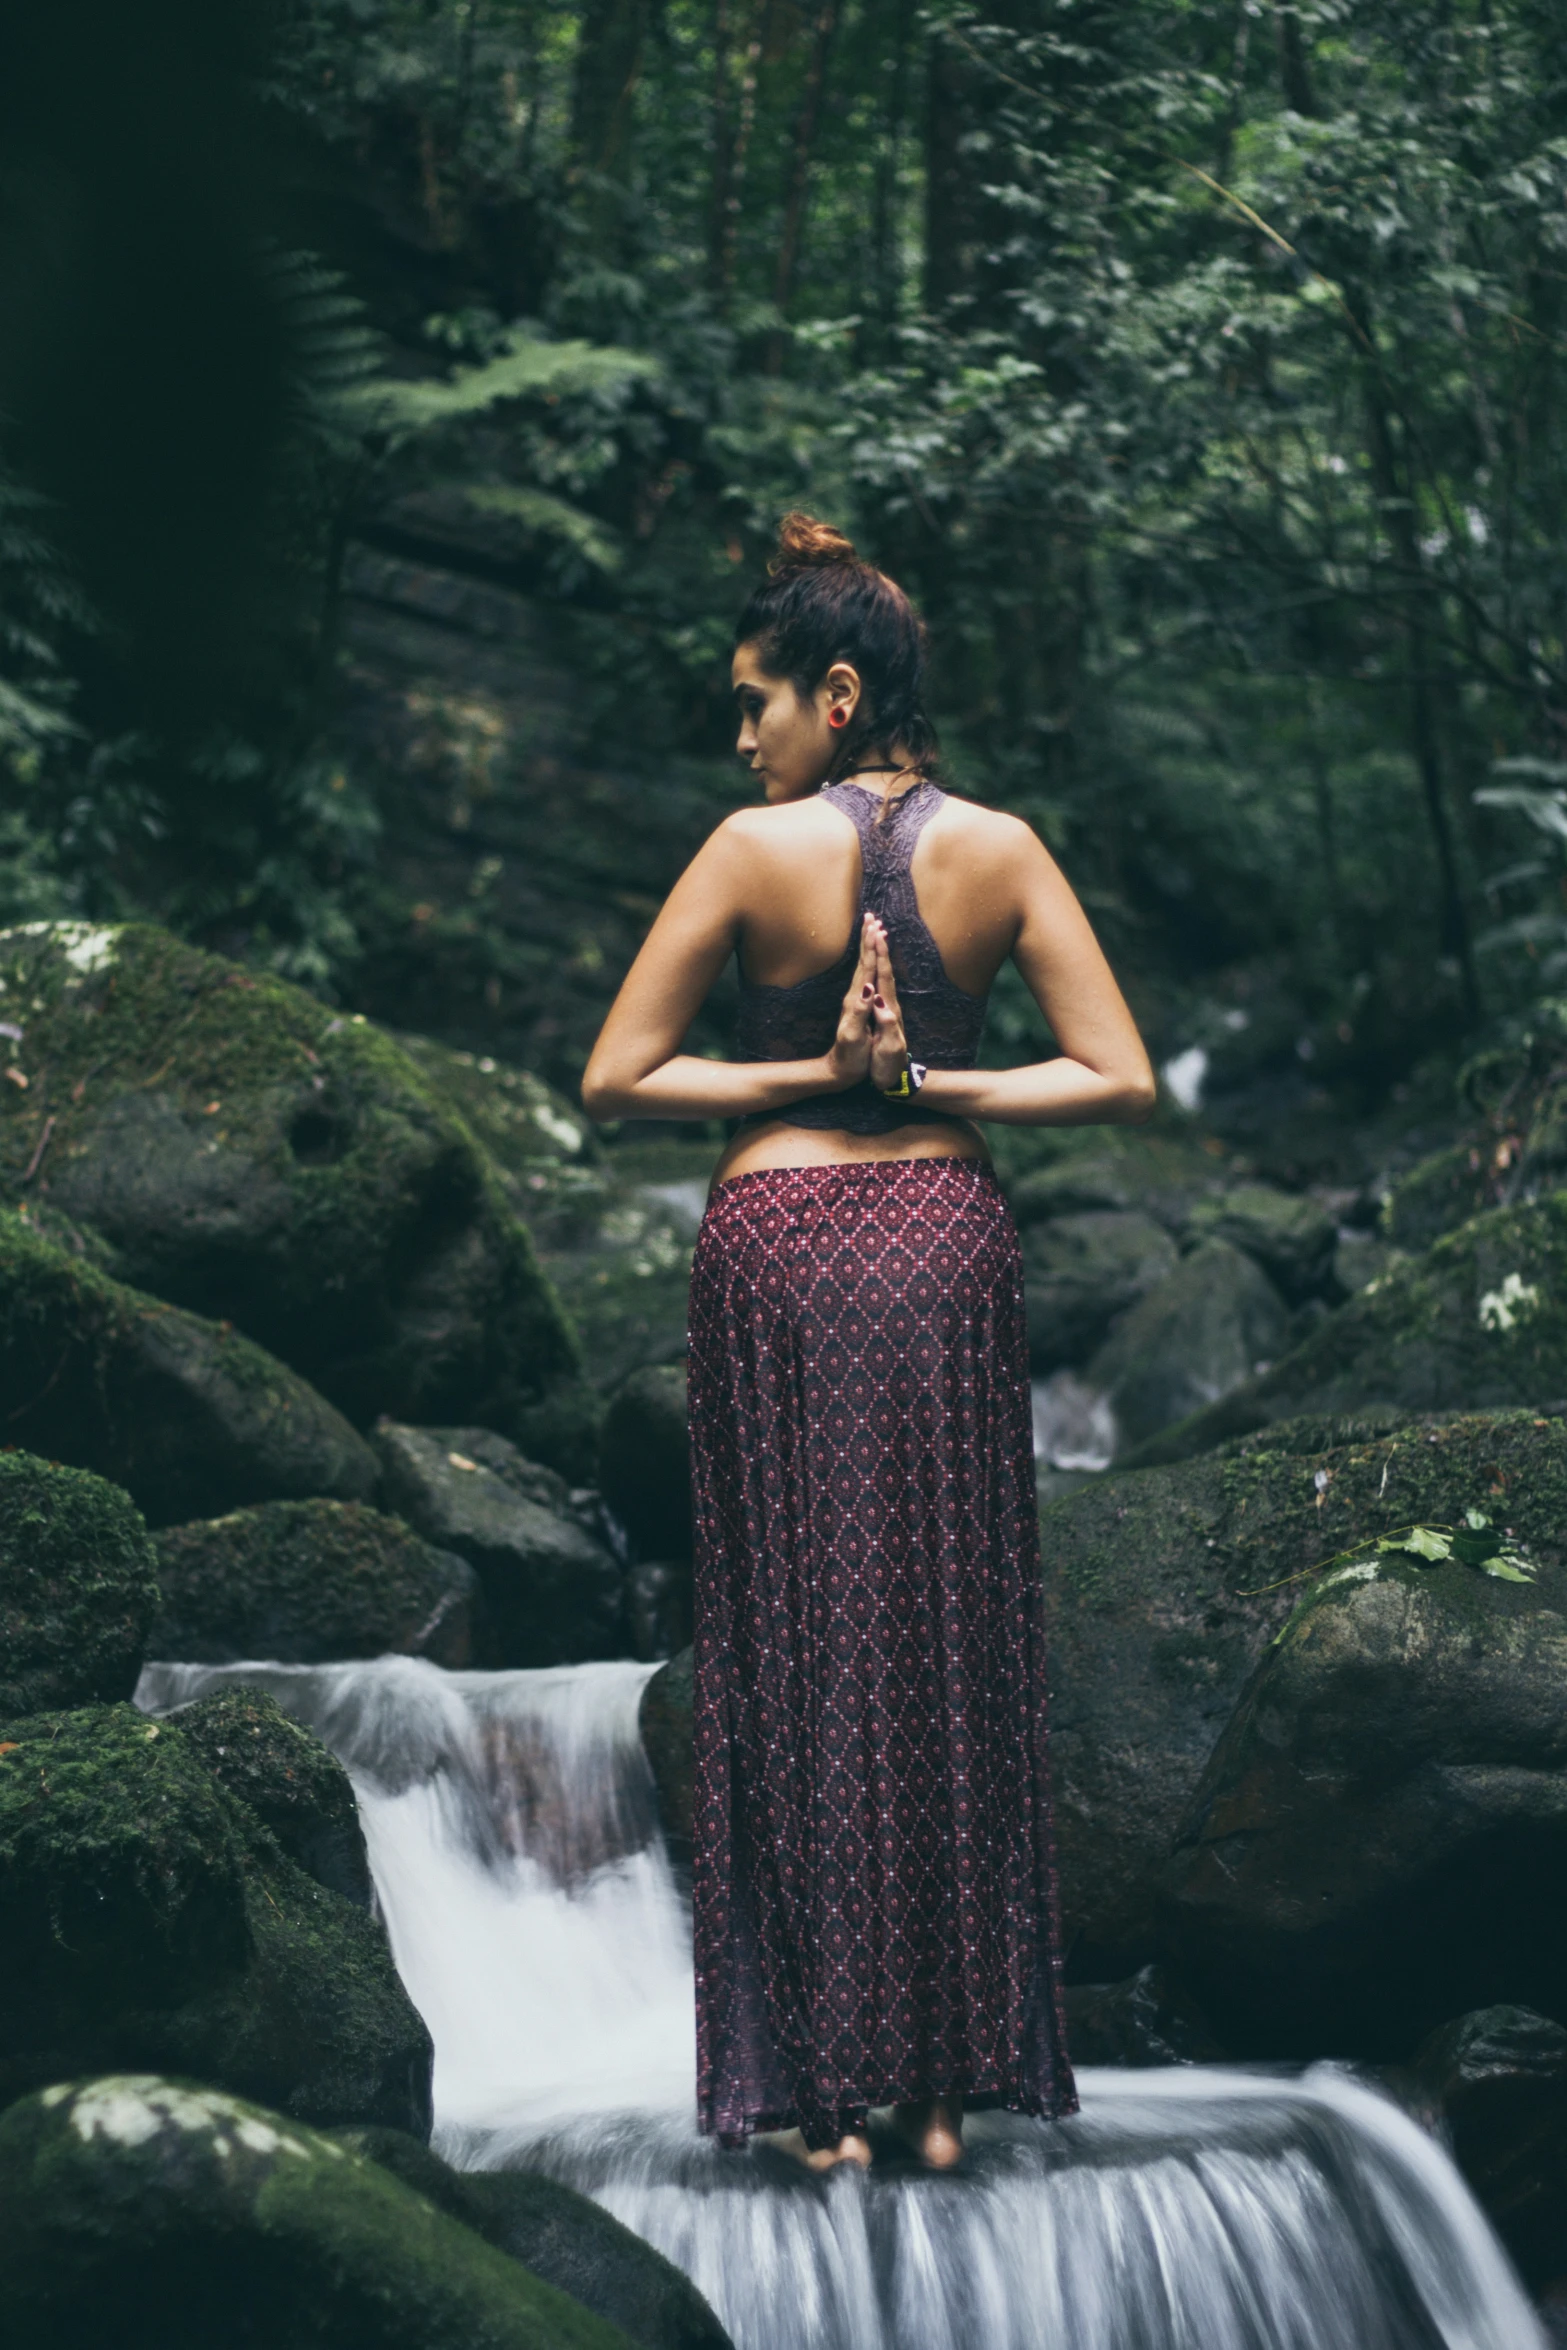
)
(536, 1922)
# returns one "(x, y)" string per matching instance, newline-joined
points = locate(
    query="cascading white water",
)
(537, 1925)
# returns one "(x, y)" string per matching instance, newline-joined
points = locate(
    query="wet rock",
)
(552, 1594)
(1380, 1837)
(1082, 1271)
(664, 1720)
(1290, 1237)
(564, 2237)
(145, 2211)
(1165, 1587)
(251, 1156)
(645, 1462)
(1478, 1322)
(659, 1607)
(294, 1785)
(1146, 2020)
(305, 1582)
(528, 1129)
(1201, 1334)
(1497, 2081)
(153, 1921)
(78, 1587)
(1159, 1175)
(191, 1418)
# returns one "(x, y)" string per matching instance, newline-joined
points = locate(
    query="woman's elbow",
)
(602, 1098)
(1139, 1097)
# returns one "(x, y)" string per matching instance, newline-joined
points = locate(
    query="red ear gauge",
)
(837, 717)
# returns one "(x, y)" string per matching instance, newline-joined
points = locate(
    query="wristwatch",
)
(914, 1076)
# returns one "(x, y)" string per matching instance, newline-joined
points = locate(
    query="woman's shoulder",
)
(789, 824)
(969, 825)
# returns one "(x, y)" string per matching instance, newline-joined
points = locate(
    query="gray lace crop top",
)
(942, 1021)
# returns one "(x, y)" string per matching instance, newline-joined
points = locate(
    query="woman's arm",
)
(1103, 1075)
(637, 1069)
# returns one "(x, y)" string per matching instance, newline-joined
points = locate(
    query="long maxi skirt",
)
(873, 1879)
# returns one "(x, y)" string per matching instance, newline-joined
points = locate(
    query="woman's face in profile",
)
(786, 742)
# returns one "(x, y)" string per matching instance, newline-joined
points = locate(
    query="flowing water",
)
(535, 1920)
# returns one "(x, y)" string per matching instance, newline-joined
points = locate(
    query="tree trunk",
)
(609, 62)
(953, 204)
(1294, 62)
(731, 148)
(884, 196)
(795, 202)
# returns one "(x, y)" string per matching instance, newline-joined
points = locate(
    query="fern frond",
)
(529, 366)
(551, 518)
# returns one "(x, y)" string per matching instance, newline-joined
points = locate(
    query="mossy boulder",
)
(164, 2216)
(1166, 1585)
(564, 2237)
(1201, 1333)
(552, 1593)
(1380, 1837)
(1081, 1271)
(186, 1414)
(616, 1239)
(78, 1587)
(664, 1719)
(152, 1920)
(528, 1129)
(1435, 1196)
(304, 1582)
(645, 1461)
(1291, 1237)
(1479, 1321)
(252, 1156)
(294, 1785)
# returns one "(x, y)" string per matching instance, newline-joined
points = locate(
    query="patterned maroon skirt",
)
(873, 1869)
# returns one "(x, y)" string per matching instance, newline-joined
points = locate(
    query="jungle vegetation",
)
(1199, 366)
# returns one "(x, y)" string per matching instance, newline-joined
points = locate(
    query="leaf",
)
(1510, 1569)
(550, 517)
(527, 366)
(1476, 1519)
(1423, 1542)
(1475, 1548)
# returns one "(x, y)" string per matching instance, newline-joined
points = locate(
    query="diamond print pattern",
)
(874, 1885)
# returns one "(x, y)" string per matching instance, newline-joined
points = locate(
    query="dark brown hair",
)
(820, 603)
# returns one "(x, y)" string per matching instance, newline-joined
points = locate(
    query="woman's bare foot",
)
(934, 2130)
(852, 2148)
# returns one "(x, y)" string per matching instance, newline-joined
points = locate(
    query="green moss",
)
(185, 1413)
(1437, 1195)
(560, 2235)
(147, 2209)
(78, 1587)
(251, 1155)
(306, 1581)
(287, 1778)
(153, 1919)
(1479, 1321)
(1167, 1585)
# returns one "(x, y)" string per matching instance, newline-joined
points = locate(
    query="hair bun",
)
(804, 544)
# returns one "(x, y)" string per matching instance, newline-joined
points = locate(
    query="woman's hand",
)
(850, 1057)
(889, 1056)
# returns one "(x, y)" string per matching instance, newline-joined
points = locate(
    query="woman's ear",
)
(841, 688)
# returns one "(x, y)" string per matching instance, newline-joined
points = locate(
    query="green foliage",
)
(1203, 384)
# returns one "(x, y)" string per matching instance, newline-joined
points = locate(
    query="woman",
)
(873, 1881)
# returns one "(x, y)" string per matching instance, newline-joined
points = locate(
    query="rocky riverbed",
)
(320, 1343)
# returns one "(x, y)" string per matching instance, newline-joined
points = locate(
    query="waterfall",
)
(534, 1917)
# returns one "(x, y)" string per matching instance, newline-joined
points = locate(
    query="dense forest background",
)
(397, 396)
